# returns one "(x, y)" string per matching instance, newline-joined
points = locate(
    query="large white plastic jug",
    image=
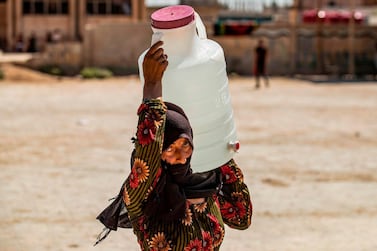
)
(196, 80)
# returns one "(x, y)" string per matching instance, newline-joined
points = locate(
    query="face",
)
(178, 152)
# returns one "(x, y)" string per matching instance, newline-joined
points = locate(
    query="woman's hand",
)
(154, 66)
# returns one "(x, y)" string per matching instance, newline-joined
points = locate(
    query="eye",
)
(187, 146)
(185, 143)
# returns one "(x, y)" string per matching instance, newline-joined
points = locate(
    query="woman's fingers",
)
(158, 53)
(164, 64)
(162, 58)
(155, 63)
(154, 48)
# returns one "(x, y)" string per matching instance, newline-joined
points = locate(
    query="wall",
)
(118, 46)
(67, 55)
(115, 45)
(42, 24)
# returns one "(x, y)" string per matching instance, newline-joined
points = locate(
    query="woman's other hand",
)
(154, 66)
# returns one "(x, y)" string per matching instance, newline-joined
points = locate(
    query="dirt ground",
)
(308, 151)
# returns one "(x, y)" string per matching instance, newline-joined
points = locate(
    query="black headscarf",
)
(177, 126)
(177, 182)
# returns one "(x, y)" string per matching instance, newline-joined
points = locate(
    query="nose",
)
(180, 159)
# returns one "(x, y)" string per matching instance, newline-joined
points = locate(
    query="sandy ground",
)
(308, 151)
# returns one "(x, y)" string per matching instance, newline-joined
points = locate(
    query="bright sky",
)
(160, 2)
(250, 3)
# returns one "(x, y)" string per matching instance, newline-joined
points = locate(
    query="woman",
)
(169, 207)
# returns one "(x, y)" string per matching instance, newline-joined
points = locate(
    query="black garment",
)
(32, 47)
(261, 53)
(177, 182)
(167, 202)
(177, 125)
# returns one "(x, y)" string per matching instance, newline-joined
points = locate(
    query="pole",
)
(351, 40)
(294, 50)
(320, 68)
(10, 25)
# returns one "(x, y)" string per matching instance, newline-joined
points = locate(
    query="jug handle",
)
(202, 33)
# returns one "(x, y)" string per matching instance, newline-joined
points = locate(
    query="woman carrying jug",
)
(169, 206)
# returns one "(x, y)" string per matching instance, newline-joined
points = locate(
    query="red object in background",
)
(331, 16)
(309, 16)
(344, 16)
(239, 27)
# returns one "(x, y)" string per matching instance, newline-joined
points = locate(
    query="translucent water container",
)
(196, 80)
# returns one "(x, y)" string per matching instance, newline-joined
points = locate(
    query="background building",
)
(113, 33)
(61, 19)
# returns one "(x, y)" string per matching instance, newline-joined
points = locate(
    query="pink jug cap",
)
(172, 17)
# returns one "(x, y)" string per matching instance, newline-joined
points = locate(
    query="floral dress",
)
(202, 227)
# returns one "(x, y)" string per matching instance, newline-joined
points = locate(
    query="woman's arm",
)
(149, 137)
(147, 158)
(154, 66)
(235, 199)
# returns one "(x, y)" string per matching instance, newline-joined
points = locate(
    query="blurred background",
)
(328, 38)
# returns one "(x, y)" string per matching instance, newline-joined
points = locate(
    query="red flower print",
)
(218, 231)
(141, 244)
(187, 220)
(142, 108)
(228, 175)
(141, 168)
(218, 236)
(155, 116)
(207, 241)
(146, 132)
(241, 210)
(194, 245)
(214, 221)
(228, 211)
(134, 181)
(239, 174)
(159, 243)
(200, 207)
(216, 199)
(143, 227)
(126, 197)
(237, 196)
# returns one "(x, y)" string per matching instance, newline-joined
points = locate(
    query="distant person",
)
(48, 37)
(19, 47)
(32, 43)
(375, 61)
(260, 62)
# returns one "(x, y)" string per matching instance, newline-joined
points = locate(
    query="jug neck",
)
(179, 43)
